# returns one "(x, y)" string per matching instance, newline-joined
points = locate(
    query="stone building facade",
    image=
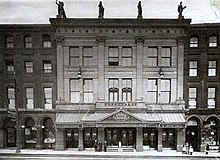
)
(28, 82)
(120, 83)
(201, 86)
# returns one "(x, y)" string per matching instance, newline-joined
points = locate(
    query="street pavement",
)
(8, 154)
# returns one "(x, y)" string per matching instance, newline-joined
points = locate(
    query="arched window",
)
(9, 42)
(28, 42)
(30, 133)
(126, 90)
(48, 133)
(213, 41)
(46, 41)
(194, 41)
(113, 89)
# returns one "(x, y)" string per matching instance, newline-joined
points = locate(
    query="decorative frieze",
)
(139, 40)
(100, 40)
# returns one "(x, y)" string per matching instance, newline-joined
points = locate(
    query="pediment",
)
(121, 116)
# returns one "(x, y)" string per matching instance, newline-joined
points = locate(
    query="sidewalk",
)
(69, 153)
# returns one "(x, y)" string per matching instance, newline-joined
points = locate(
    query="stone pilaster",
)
(101, 67)
(60, 65)
(1, 138)
(59, 146)
(159, 143)
(101, 136)
(80, 148)
(139, 73)
(180, 139)
(139, 139)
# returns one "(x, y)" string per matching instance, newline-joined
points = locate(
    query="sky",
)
(39, 11)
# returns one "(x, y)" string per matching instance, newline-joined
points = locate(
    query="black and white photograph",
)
(110, 79)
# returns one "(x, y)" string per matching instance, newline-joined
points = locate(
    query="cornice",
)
(88, 22)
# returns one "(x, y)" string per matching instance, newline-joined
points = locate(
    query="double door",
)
(121, 136)
(72, 138)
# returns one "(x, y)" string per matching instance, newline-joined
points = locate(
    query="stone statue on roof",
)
(180, 9)
(61, 11)
(101, 10)
(139, 10)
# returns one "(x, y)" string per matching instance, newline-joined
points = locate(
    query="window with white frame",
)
(30, 98)
(126, 89)
(113, 89)
(113, 56)
(193, 68)
(194, 42)
(213, 41)
(212, 68)
(74, 91)
(165, 91)
(47, 66)
(126, 56)
(28, 42)
(165, 56)
(48, 98)
(10, 66)
(9, 42)
(88, 90)
(87, 56)
(74, 56)
(192, 97)
(152, 53)
(28, 66)
(11, 98)
(211, 97)
(152, 90)
(46, 41)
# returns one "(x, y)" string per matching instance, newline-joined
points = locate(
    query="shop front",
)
(120, 131)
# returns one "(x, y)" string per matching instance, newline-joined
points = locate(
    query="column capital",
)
(139, 40)
(100, 40)
(181, 40)
(59, 40)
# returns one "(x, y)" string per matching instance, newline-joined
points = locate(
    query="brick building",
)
(201, 85)
(28, 82)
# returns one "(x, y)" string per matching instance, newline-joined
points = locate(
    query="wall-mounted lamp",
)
(22, 126)
(161, 73)
(79, 73)
(42, 127)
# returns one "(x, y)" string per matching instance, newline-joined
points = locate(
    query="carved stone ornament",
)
(121, 117)
(181, 40)
(59, 40)
(100, 40)
(139, 40)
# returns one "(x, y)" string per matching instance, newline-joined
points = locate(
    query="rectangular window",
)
(47, 66)
(74, 56)
(11, 98)
(48, 98)
(152, 56)
(113, 56)
(212, 68)
(28, 66)
(10, 66)
(126, 89)
(126, 56)
(194, 42)
(28, 42)
(87, 56)
(30, 98)
(152, 90)
(9, 42)
(193, 67)
(113, 89)
(74, 91)
(192, 98)
(165, 91)
(88, 90)
(166, 56)
(211, 97)
(213, 41)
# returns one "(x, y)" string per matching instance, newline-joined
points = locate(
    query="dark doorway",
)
(150, 137)
(10, 132)
(72, 138)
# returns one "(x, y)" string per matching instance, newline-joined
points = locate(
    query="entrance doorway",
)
(72, 138)
(150, 137)
(10, 132)
(127, 137)
(168, 138)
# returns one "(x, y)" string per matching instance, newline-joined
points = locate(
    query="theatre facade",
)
(120, 82)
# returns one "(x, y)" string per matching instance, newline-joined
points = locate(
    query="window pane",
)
(28, 42)
(47, 67)
(10, 66)
(152, 56)
(75, 97)
(113, 56)
(213, 41)
(9, 42)
(126, 56)
(212, 68)
(87, 56)
(88, 90)
(194, 42)
(192, 97)
(211, 97)
(193, 68)
(46, 41)
(74, 56)
(29, 67)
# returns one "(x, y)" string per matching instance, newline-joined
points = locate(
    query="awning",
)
(63, 118)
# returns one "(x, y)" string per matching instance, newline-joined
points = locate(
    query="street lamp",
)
(16, 117)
